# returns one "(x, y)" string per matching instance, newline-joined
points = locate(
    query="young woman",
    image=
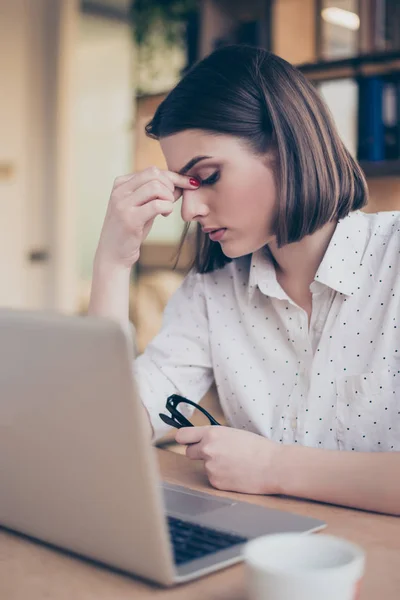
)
(293, 304)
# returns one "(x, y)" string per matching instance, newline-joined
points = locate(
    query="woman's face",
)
(237, 195)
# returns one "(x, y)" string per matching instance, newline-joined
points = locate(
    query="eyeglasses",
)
(177, 419)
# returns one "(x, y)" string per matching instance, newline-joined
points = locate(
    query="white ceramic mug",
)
(294, 566)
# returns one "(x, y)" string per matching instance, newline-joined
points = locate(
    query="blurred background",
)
(80, 79)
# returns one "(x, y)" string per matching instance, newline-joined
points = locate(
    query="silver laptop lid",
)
(91, 489)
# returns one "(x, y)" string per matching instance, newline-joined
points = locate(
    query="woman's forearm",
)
(110, 292)
(366, 480)
(110, 298)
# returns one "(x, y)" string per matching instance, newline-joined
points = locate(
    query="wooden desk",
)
(31, 571)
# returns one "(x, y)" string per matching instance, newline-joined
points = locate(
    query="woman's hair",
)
(257, 96)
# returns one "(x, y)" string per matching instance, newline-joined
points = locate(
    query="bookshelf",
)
(376, 63)
(373, 67)
(385, 168)
(296, 32)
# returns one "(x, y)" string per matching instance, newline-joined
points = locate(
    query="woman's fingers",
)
(150, 191)
(128, 184)
(173, 181)
(150, 210)
(183, 181)
(195, 451)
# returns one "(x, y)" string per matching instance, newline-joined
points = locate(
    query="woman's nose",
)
(193, 205)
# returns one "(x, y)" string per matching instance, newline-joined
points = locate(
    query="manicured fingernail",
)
(194, 182)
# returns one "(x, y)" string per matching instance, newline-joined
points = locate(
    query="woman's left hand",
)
(235, 460)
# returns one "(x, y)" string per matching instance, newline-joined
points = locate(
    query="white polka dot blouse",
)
(332, 383)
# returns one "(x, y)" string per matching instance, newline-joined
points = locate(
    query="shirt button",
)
(293, 423)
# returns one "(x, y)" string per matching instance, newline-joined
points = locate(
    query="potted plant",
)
(169, 16)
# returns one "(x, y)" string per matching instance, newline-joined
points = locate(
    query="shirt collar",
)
(340, 268)
(263, 275)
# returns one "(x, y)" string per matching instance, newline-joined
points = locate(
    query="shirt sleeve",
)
(178, 359)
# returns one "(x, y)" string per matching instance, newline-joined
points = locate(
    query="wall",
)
(103, 125)
(14, 158)
(35, 44)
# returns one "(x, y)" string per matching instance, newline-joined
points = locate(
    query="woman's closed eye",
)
(211, 179)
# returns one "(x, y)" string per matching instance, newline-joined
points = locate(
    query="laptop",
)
(77, 468)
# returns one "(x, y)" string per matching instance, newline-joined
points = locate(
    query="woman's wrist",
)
(275, 467)
(288, 469)
(106, 268)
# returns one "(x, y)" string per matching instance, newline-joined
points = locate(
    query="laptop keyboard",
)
(192, 541)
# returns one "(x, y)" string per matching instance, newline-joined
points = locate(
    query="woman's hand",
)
(240, 461)
(134, 203)
(235, 460)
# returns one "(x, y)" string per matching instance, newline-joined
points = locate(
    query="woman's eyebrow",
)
(193, 161)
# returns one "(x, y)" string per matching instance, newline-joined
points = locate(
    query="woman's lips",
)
(217, 234)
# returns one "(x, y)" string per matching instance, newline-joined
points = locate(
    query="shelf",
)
(108, 9)
(385, 168)
(363, 64)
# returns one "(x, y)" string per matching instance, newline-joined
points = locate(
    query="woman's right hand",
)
(134, 203)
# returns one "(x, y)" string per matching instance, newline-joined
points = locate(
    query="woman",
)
(292, 306)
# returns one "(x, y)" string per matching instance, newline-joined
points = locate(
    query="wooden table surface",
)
(31, 571)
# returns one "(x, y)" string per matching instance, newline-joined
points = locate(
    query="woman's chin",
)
(232, 251)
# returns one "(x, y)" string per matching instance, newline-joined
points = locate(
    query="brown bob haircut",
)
(260, 98)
